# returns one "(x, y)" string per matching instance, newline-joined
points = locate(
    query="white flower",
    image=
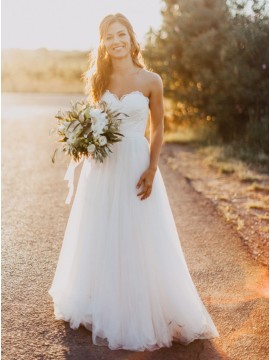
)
(99, 120)
(96, 135)
(102, 140)
(97, 114)
(97, 128)
(61, 127)
(91, 148)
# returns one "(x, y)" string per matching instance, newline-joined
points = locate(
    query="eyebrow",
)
(117, 32)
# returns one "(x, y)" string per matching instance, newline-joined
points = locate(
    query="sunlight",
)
(256, 287)
(69, 24)
(260, 285)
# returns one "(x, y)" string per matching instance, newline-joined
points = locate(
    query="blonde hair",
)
(98, 73)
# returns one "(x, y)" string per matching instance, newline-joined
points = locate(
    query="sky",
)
(70, 24)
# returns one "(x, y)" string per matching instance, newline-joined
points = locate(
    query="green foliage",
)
(87, 131)
(213, 59)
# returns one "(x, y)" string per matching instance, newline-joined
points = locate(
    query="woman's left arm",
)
(156, 135)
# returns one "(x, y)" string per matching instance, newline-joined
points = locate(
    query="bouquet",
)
(87, 131)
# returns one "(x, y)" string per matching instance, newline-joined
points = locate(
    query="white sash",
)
(69, 175)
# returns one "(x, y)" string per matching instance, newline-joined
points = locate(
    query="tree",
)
(213, 61)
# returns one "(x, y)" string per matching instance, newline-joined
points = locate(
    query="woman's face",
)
(117, 40)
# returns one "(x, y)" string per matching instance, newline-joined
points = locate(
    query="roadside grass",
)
(231, 158)
(242, 192)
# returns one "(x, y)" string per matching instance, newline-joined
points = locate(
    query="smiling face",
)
(117, 40)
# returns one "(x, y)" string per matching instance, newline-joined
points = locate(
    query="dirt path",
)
(34, 216)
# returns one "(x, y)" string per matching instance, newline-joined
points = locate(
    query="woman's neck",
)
(124, 66)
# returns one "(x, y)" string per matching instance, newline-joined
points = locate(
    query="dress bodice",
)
(134, 104)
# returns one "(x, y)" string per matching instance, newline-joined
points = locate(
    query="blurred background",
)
(211, 54)
(213, 58)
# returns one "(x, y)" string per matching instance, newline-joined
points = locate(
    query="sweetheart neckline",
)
(125, 95)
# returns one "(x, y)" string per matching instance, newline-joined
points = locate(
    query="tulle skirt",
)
(121, 272)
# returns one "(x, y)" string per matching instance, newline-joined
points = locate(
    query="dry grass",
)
(225, 158)
(259, 188)
(238, 191)
(43, 71)
(258, 205)
(182, 136)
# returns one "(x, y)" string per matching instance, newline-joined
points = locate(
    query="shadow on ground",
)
(82, 348)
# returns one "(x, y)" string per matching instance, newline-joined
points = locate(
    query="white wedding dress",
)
(121, 272)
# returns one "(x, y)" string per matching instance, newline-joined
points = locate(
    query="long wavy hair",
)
(98, 74)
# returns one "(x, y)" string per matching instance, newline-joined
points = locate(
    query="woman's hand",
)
(146, 179)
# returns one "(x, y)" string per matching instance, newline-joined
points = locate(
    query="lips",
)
(118, 47)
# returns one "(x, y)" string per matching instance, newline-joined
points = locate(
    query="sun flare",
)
(69, 24)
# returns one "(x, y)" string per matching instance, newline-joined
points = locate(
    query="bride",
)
(121, 271)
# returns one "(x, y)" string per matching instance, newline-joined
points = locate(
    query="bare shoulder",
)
(153, 87)
(153, 83)
(152, 78)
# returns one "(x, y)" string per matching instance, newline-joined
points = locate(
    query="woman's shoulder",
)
(153, 81)
(152, 76)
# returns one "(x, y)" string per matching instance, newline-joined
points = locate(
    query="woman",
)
(121, 272)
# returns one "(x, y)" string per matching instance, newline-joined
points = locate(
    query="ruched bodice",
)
(134, 104)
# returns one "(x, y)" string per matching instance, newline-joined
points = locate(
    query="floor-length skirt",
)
(121, 272)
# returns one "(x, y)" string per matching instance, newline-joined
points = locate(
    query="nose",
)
(116, 42)
(116, 39)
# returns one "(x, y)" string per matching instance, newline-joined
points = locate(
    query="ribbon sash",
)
(69, 176)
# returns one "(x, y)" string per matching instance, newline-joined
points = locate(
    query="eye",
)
(120, 34)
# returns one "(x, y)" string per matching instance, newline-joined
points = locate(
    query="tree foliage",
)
(213, 59)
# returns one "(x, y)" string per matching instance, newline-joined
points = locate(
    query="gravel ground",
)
(34, 215)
